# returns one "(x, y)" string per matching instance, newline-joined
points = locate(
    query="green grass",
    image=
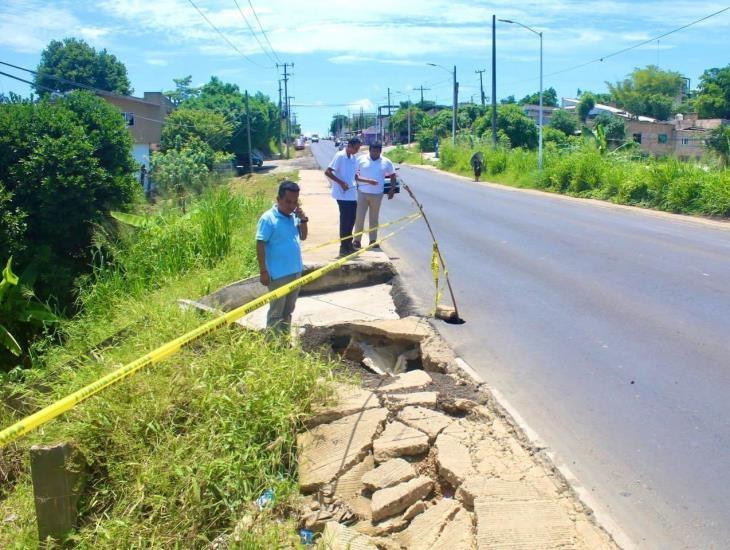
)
(663, 184)
(179, 451)
(408, 155)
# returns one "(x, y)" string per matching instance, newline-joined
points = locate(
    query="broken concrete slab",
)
(427, 420)
(452, 457)
(457, 534)
(422, 399)
(399, 440)
(358, 274)
(349, 485)
(529, 524)
(411, 329)
(492, 488)
(393, 500)
(379, 359)
(436, 356)
(406, 381)
(389, 473)
(330, 449)
(425, 528)
(338, 537)
(347, 400)
(381, 528)
(414, 510)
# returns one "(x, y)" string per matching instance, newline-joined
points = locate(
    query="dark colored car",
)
(242, 162)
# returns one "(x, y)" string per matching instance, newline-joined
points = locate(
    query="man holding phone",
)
(279, 254)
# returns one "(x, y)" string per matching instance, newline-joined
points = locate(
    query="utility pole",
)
(286, 98)
(422, 89)
(456, 104)
(388, 114)
(481, 84)
(280, 145)
(409, 120)
(494, 81)
(248, 136)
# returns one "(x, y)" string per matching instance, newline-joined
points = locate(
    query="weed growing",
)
(178, 452)
(663, 184)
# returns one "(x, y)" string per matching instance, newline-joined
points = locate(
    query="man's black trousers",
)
(348, 209)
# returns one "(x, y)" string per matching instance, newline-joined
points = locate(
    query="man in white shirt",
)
(372, 171)
(342, 171)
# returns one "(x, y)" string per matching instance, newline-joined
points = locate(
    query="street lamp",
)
(539, 150)
(455, 100)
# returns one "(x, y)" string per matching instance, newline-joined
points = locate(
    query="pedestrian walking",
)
(476, 161)
(372, 170)
(279, 253)
(342, 173)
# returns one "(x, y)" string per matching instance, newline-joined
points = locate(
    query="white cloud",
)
(156, 62)
(27, 27)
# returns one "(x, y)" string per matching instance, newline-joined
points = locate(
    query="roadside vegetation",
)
(179, 452)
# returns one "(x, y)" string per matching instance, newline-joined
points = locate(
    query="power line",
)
(253, 33)
(223, 36)
(263, 31)
(26, 81)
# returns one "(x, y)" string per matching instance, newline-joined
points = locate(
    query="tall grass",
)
(179, 452)
(664, 183)
(130, 260)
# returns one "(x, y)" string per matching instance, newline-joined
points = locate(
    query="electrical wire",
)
(253, 33)
(263, 31)
(223, 36)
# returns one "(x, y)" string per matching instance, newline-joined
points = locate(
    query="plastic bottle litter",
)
(306, 536)
(266, 498)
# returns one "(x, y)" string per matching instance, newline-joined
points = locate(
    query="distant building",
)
(684, 136)
(145, 117)
(533, 111)
(370, 135)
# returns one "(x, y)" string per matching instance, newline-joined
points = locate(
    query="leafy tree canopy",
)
(713, 97)
(564, 121)
(650, 91)
(549, 98)
(74, 60)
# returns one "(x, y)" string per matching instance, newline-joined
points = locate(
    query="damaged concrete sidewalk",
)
(412, 451)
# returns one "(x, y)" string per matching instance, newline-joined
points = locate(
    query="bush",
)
(63, 165)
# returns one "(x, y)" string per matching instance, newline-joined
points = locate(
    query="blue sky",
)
(346, 55)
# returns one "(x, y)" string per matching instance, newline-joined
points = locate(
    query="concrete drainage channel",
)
(418, 454)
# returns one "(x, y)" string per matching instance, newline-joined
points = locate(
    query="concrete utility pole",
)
(388, 112)
(422, 89)
(286, 98)
(280, 146)
(494, 81)
(409, 119)
(248, 136)
(481, 84)
(456, 106)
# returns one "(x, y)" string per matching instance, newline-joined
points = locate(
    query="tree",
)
(63, 165)
(508, 100)
(399, 122)
(210, 126)
(519, 128)
(613, 127)
(565, 121)
(182, 170)
(183, 90)
(585, 105)
(75, 60)
(713, 95)
(650, 91)
(719, 141)
(549, 98)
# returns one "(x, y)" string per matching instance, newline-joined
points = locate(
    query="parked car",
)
(315, 138)
(242, 161)
(299, 144)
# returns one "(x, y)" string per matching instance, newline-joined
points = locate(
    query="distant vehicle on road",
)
(315, 138)
(299, 144)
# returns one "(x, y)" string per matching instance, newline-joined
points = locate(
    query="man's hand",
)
(265, 278)
(391, 193)
(300, 214)
(344, 186)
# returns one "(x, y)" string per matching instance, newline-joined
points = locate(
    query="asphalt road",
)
(608, 329)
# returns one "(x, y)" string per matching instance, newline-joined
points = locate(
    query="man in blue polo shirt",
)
(278, 235)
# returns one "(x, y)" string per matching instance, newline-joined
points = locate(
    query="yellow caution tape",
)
(35, 420)
(409, 217)
(435, 271)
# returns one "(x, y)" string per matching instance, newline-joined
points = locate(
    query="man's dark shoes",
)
(356, 245)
